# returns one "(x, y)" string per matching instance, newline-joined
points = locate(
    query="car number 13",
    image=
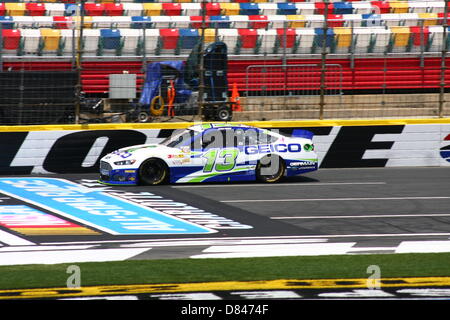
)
(220, 160)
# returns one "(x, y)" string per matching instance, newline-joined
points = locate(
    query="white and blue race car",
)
(213, 152)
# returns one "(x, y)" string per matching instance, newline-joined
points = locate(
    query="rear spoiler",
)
(300, 133)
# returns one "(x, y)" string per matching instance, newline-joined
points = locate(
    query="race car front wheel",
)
(270, 169)
(153, 171)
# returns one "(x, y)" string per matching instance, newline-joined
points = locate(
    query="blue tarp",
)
(153, 82)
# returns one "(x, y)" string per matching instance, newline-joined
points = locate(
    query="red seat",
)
(288, 36)
(335, 20)
(113, 9)
(249, 38)
(212, 9)
(11, 39)
(35, 9)
(94, 9)
(172, 9)
(196, 22)
(2, 9)
(169, 38)
(416, 35)
(320, 7)
(62, 22)
(383, 6)
(258, 22)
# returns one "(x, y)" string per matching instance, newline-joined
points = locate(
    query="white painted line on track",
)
(13, 240)
(367, 216)
(304, 184)
(334, 199)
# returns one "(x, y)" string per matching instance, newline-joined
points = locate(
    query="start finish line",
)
(96, 208)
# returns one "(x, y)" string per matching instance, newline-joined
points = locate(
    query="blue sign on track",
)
(96, 208)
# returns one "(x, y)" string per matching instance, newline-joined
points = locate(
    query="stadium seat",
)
(188, 38)
(62, 22)
(257, 22)
(296, 21)
(2, 9)
(50, 41)
(90, 42)
(11, 39)
(360, 7)
(132, 44)
(191, 9)
(343, 40)
(229, 37)
(180, 22)
(35, 9)
(435, 6)
(212, 9)
(239, 21)
(133, 9)
(419, 38)
(152, 9)
(306, 39)
(320, 7)
(363, 38)
(110, 42)
(381, 6)
(418, 6)
(399, 6)
(248, 41)
(287, 8)
(211, 35)
(315, 21)
(171, 9)
(435, 42)
(380, 40)
(151, 43)
(31, 39)
(268, 8)
(343, 8)
(249, 9)
(139, 22)
(55, 9)
(319, 40)
(286, 39)
(15, 9)
(277, 21)
(399, 39)
(230, 8)
(429, 19)
(7, 22)
(220, 22)
(160, 21)
(305, 8)
(94, 9)
(197, 21)
(114, 9)
(169, 38)
(335, 20)
(67, 42)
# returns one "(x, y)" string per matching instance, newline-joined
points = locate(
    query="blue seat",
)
(140, 22)
(249, 9)
(110, 38)
(220, 21)
(318, 39)
(188, 38)
(343, 8)
(7, 22)
(287, 8)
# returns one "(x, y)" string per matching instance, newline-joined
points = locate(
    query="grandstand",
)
(380, 46)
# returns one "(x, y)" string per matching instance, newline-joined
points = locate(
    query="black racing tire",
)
(153, 171)
(272, 163)
(224, 114)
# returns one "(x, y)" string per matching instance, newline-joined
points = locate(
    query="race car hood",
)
(139, 151)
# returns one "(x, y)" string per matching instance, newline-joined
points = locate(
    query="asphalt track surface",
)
(373, 210)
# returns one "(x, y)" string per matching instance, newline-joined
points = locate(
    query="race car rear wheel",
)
(270, 169)
(153, 171)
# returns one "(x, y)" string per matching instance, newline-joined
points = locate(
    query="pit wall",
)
(339, 143)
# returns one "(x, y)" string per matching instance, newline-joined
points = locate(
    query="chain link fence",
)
(80, 65)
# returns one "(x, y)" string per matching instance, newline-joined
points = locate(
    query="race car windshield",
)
(179, 138)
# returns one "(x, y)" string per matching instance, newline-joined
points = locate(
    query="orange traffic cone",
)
(235, 99)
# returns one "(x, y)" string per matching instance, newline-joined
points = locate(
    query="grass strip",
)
(238, 269)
